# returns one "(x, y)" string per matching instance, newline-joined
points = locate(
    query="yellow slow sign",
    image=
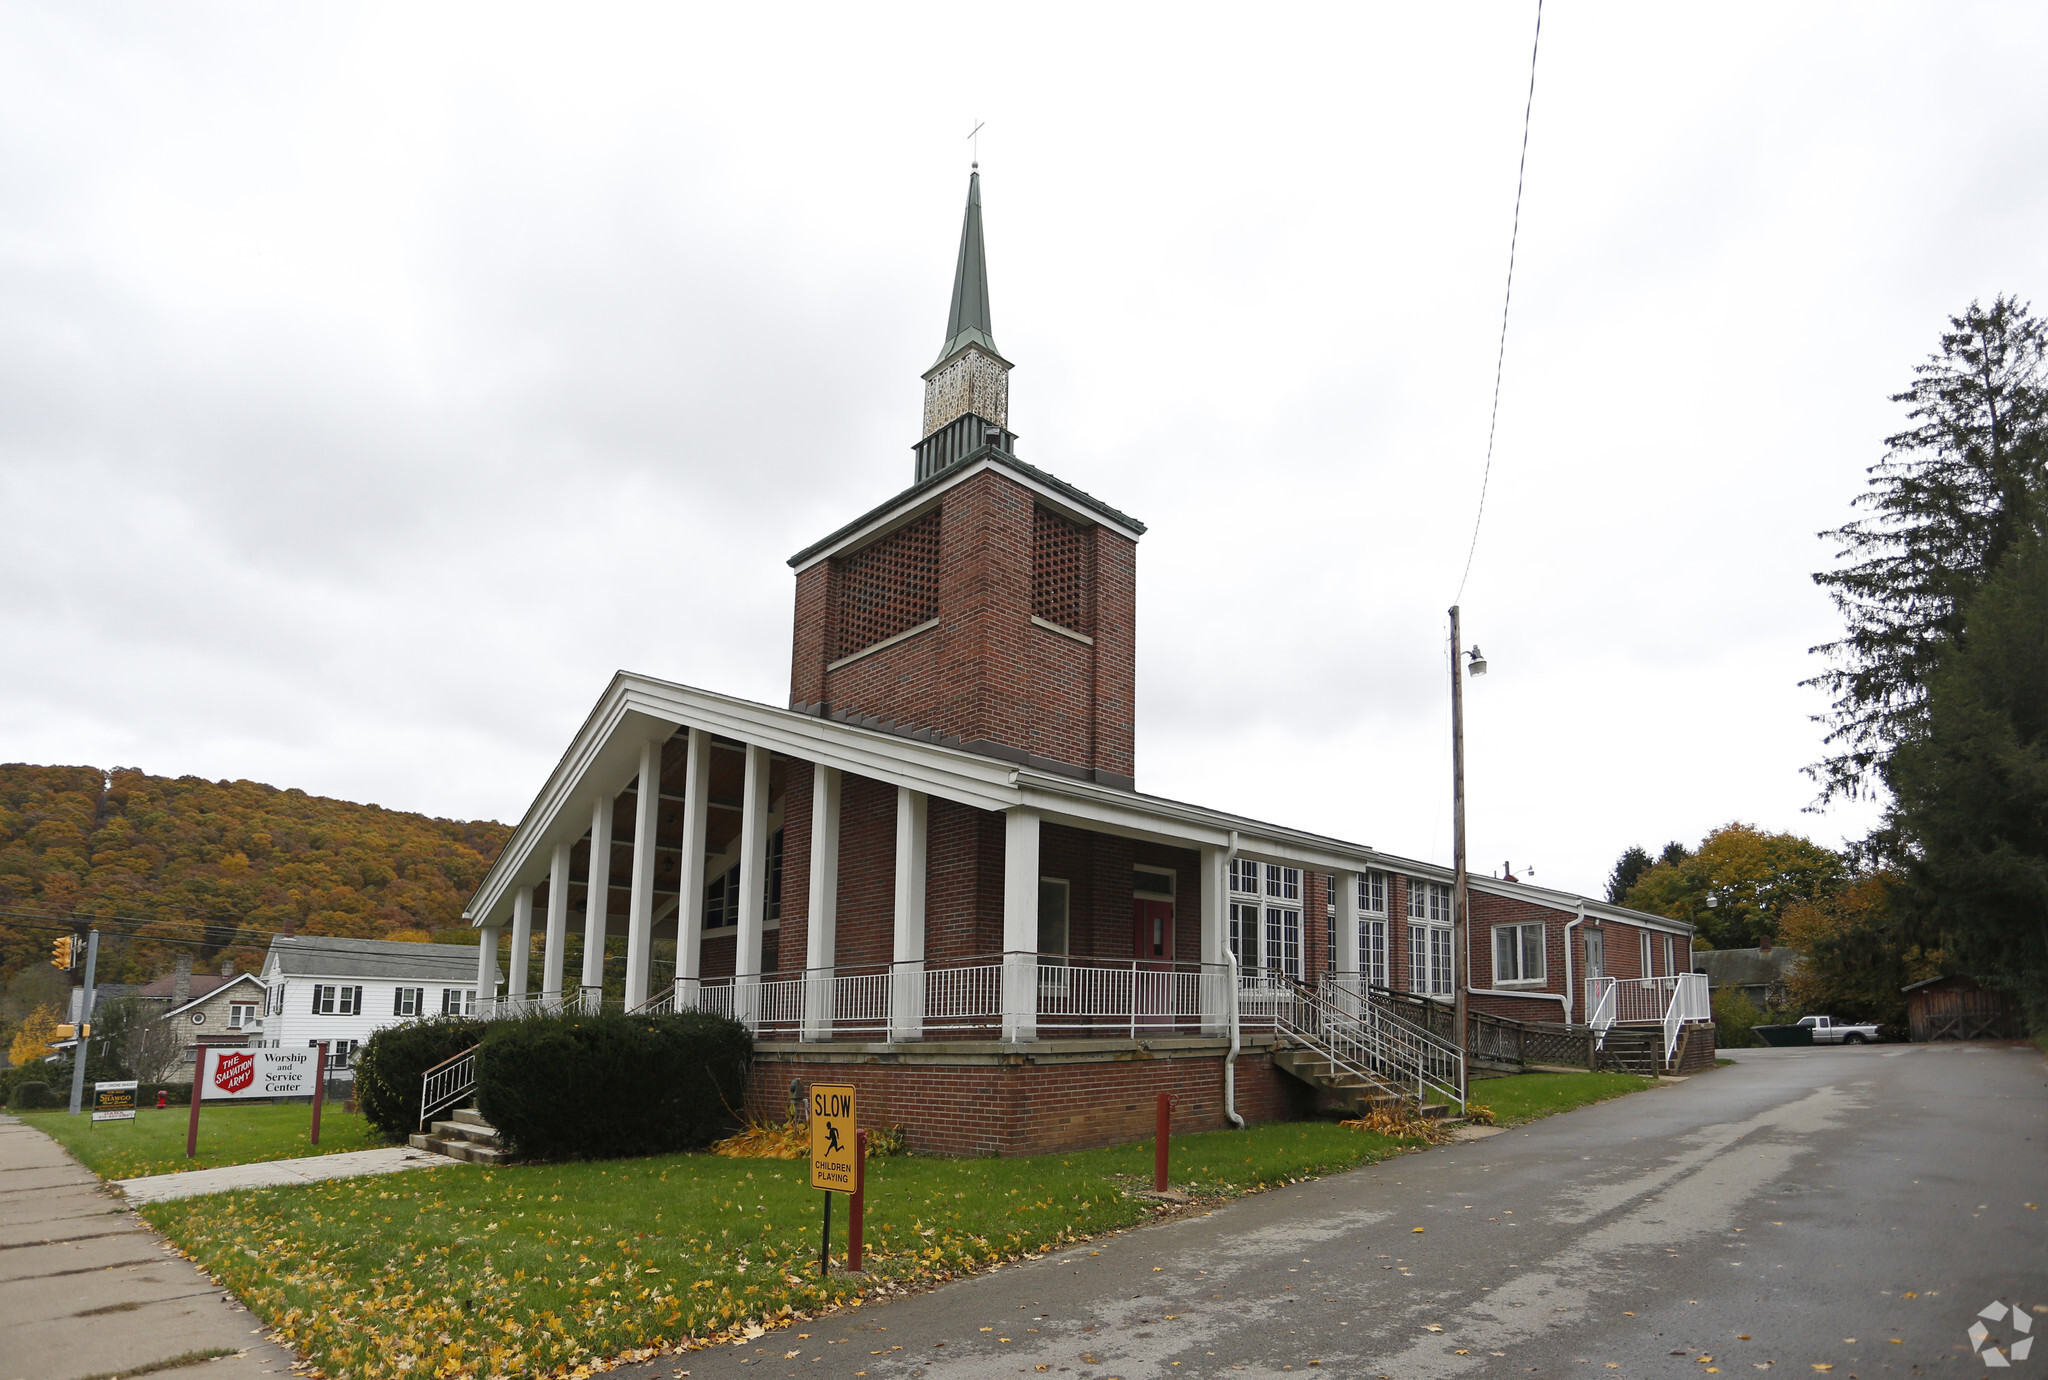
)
(832, 1142)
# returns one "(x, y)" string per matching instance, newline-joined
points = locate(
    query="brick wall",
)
(1018, 1105)
(986, 673)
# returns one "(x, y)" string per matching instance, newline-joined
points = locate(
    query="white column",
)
(690, 873)
(1215, 924)
(906, 977)
(597, 900)
(1344, 962)
(821, 931)
(1020, 924)
(753, 886)
(558, 926)
(640, 909)
(522, 940)
(486, 969)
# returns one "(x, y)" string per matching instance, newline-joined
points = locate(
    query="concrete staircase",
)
(1346, 1088)
(464, 1136)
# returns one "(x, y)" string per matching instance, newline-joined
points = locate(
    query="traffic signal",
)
(64, 952)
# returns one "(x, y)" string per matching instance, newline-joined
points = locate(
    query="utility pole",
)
(78, 1050)
(1461, 896)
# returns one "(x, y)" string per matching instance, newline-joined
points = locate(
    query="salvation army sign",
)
(250, 1073)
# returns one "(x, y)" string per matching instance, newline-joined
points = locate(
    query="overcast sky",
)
(374, 382)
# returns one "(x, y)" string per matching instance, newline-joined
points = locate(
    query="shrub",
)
(391, 1062)
(564, 1087)
(1735, 1017)
(30, 1097)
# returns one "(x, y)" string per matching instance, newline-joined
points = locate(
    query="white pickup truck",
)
(1827, 1032)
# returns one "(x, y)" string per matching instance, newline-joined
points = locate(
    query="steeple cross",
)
(975, 135)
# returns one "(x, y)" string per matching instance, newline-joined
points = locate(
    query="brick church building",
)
(932, 874)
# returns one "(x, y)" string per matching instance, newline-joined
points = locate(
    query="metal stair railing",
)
(447, 1082)
(1373, 1043)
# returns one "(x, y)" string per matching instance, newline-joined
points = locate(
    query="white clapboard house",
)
(318, 987)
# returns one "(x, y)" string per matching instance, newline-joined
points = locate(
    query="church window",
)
(1429, 938)
(886, 588)
(1062, 571)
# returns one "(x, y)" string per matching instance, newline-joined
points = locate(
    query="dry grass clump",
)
(767, 1140)
(1398, 1120)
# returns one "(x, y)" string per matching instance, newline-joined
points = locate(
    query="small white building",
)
(319, 987)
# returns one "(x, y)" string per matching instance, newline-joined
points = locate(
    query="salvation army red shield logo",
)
(234, 1072)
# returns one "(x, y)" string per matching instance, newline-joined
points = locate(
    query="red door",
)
(1152, 978)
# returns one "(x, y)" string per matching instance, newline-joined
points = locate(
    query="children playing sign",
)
(832, 1142)
(253, 1073)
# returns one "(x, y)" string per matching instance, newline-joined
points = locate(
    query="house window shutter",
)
(315, 1009)
(398, 1001)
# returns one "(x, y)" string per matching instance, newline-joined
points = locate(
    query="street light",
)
(1461, 918)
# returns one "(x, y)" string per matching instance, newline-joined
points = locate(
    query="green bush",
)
(391, 1062)
(30, 1097)
(1735, 1018)
(569, 1087)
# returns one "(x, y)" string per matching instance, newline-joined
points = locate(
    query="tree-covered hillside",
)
(212, 868)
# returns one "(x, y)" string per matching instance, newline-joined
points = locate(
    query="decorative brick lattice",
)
(887, 588)
(1062, 572)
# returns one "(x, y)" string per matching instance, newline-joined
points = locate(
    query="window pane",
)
(1532, 952)
(1052, 916)
(1505, 968)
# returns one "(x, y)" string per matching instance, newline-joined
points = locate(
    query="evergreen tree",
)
(1970, 813)
(1954, 492)
(1627, 872)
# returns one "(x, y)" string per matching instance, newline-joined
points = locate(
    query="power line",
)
(1500, 359)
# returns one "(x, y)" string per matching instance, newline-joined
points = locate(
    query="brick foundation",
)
(992, 1099)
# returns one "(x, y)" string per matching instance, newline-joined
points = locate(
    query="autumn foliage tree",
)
(219, 865)
(36, 1038)
(1857, 953)
(1738, 883)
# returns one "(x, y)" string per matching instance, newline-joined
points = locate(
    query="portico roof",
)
(604, 757)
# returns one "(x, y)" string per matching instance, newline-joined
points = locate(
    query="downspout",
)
(1230, 1060)
(1580, 919)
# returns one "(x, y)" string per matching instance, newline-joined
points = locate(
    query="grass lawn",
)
(154, 1143)
(1527, 1096)
(525, 1269)
(539, 1269)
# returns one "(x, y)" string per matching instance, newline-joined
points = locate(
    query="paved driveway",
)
(1791, 1213)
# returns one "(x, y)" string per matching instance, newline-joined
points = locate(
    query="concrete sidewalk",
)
(87, 1289)
(156, 1188)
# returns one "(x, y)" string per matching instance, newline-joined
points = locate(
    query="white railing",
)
(1129, 997)
(1393, 1051)
(447, 1083)
(1668, 1002)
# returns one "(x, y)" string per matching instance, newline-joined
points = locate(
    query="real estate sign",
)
(832, 1142)
(252, 1073)
(114, 1101)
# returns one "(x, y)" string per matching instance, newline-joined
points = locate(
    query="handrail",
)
(447, 1081)
(1373, 1043)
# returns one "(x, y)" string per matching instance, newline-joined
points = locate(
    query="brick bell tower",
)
(990, 605)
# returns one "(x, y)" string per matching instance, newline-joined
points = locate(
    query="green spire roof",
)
(969, 324)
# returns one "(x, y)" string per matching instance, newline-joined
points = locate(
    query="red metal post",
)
(192, 1126)
(319, 1087)
(856, 1203)
(1160, 1134)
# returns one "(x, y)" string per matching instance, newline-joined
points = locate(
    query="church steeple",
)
(969, 323)
(967, 393)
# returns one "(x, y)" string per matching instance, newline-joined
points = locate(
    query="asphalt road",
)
(1794, 1212)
